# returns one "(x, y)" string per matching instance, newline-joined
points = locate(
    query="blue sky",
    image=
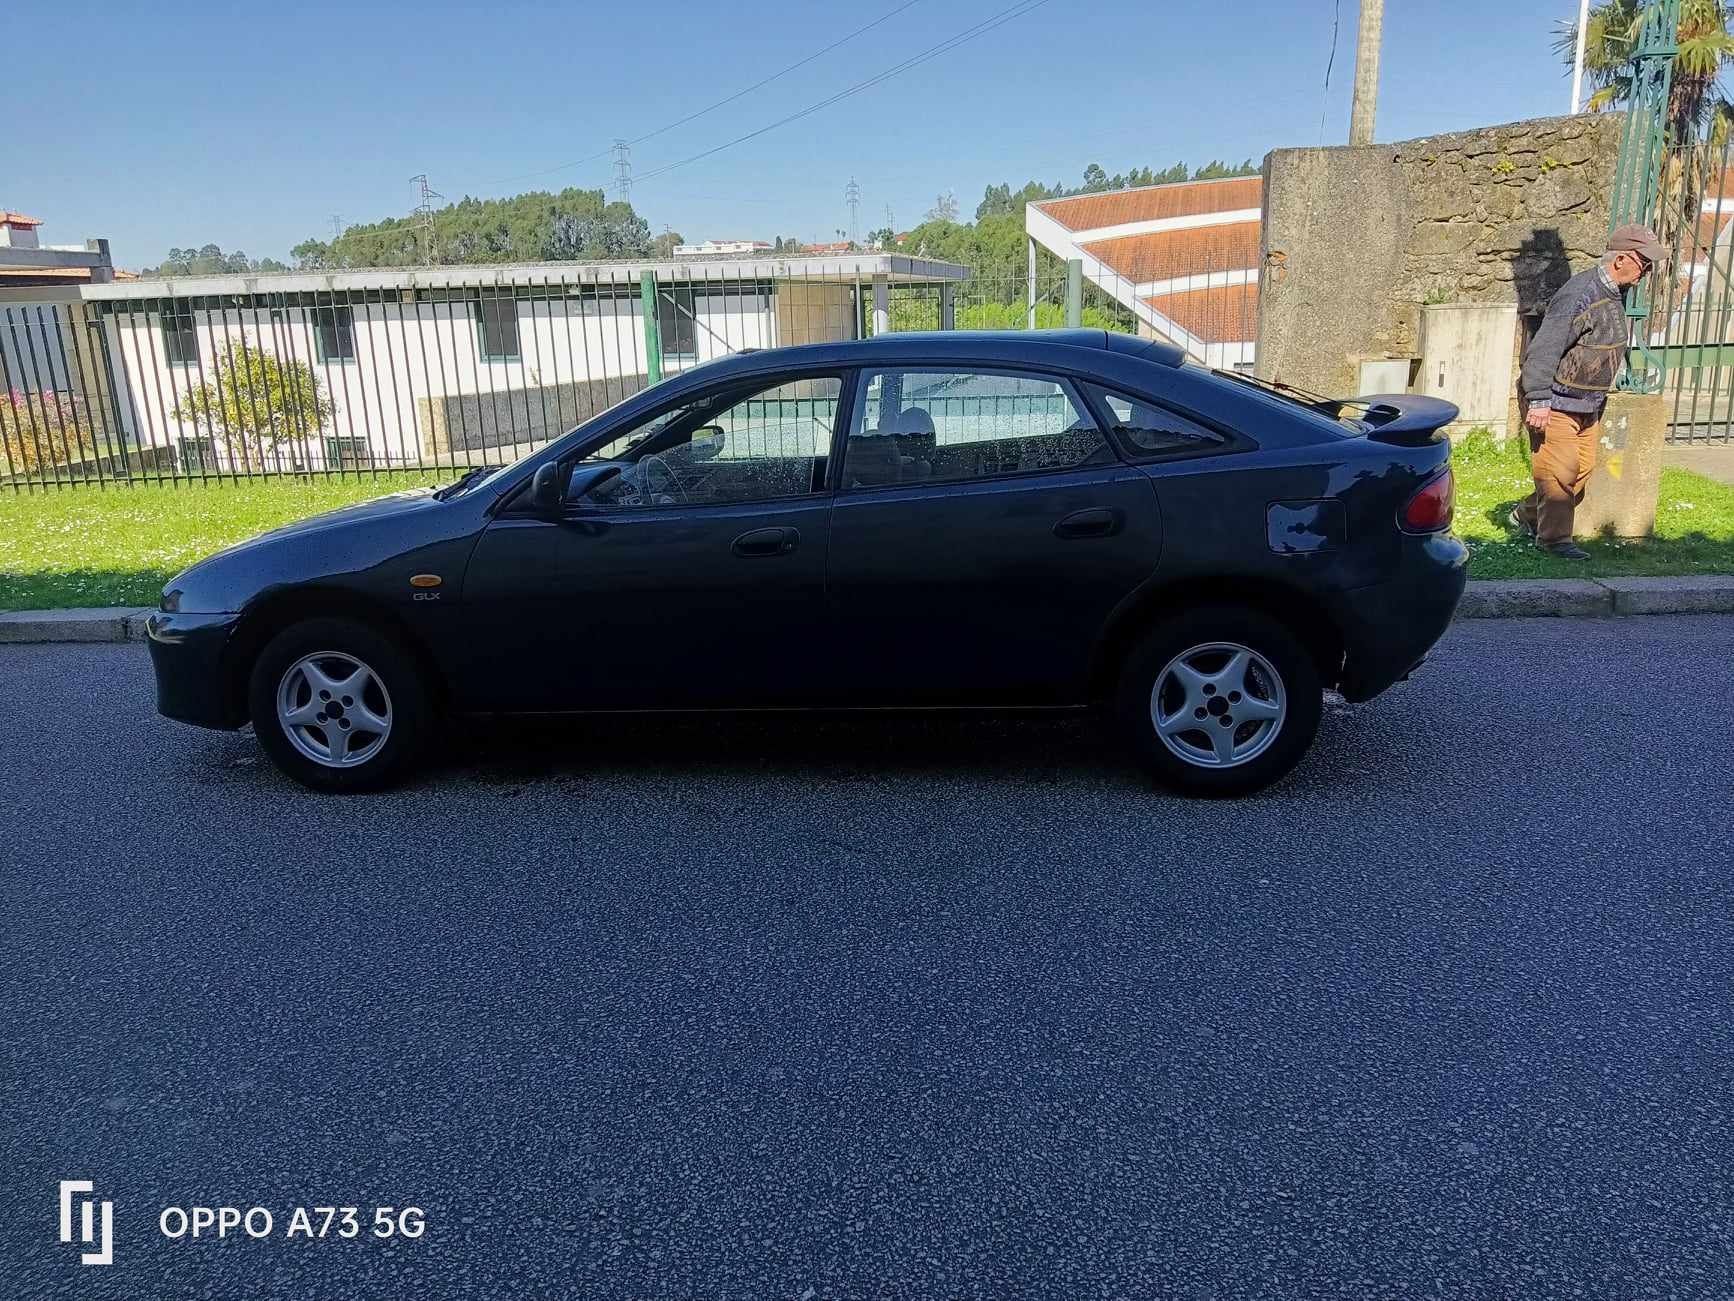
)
(250, 126)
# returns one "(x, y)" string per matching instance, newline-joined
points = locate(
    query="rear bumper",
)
(1389, 627)
(187, 654)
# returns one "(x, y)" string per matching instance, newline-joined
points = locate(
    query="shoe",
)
(1567, 551)
(1518, 526)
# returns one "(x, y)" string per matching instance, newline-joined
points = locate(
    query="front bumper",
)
(1389, 627)
(188, 653)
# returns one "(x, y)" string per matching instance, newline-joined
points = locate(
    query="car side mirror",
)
(545, 493)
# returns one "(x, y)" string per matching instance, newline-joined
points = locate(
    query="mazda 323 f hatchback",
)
(1056, 518)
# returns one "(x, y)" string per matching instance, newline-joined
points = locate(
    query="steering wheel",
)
(649, 489)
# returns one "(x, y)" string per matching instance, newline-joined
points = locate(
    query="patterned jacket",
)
(1576, 354)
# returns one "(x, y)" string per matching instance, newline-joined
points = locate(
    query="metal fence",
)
(1674, 175)
(435, 370)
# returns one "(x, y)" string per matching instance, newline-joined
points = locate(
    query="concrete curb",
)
(1499, 598)
(105, 623)
(1510, 598)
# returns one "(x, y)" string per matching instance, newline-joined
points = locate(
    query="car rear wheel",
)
(338, 705)
(1219, 701)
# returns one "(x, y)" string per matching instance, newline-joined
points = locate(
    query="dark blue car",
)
(1060, 519)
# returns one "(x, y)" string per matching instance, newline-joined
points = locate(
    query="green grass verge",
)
(1694, 522)
(118, 546)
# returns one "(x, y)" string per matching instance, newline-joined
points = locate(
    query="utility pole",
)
(336, 228)
(424, 218)
(852, 192)
(1577, 59)
(623, 172)
(1366, 100)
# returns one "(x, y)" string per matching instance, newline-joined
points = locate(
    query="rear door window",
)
(946, 426)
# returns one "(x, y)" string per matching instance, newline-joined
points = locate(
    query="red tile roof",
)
(1225, 312)
(1178, 253)
(1218, 314)
(1155, 202)
(18, 219)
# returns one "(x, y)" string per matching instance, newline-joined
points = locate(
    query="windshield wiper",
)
(469, 477)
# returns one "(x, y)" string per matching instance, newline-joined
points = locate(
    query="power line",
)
(711, 108)
(933, 52)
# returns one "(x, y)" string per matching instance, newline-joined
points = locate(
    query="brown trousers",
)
(1561, 460)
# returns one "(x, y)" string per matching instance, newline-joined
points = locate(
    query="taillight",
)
(1429, 510)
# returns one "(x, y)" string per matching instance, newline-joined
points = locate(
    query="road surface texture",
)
(890, 1008)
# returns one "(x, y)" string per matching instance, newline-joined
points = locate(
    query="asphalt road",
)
(869, 1008)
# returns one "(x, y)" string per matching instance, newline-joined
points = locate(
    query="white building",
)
(720, 247)
(458, 365)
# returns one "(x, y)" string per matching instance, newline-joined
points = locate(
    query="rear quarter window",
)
(1150, 429)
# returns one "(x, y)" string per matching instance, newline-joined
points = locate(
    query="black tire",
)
(405, 693)
(1271, 640)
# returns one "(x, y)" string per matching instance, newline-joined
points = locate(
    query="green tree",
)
(211, 261)
(38, 430)
(1698, 98)
(539, 226)
(254, 401)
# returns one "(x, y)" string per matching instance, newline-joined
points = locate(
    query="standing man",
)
(1567, 373)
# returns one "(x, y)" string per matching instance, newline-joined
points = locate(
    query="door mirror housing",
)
(545, 495)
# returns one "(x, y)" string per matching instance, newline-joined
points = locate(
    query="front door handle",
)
(766, 542)
(1096, 523)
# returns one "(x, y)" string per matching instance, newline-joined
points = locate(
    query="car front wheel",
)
(338, 705)
(1219, 701)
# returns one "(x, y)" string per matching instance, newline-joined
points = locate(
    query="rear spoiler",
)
(1407, 419)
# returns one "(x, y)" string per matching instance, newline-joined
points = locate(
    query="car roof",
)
(1026, 347)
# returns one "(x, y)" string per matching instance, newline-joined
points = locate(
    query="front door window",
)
(761, 446)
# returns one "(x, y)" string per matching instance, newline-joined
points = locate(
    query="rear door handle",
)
(766, 542)
(1095, 523)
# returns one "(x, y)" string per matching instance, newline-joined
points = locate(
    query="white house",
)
(458, 365)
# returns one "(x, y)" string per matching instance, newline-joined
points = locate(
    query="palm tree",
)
(1698, 100)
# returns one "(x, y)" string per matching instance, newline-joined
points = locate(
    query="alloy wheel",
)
(334, 709)
(1218, 705)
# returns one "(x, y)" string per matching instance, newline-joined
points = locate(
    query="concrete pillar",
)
(1075, 292)
(948, 306)
(1621, 497)
(881, 305)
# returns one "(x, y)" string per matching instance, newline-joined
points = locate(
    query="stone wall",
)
(1357, 240)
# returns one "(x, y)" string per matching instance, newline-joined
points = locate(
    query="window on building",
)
(180, 338)
(334, 333)
(676, 322)
(497, 328)
(933, 426)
